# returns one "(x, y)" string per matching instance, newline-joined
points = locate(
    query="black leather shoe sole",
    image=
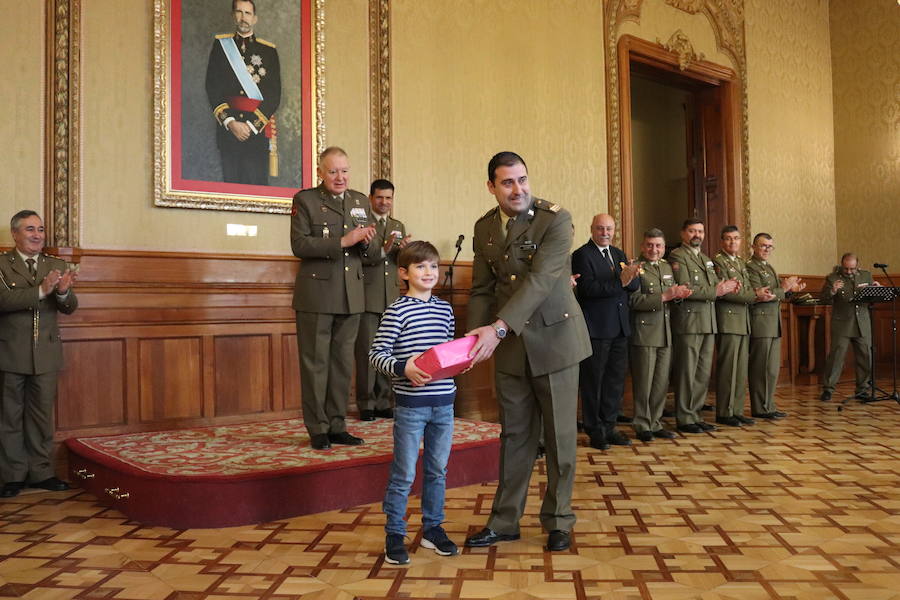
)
(599, 444)
(489, 537)
(367, 415)
(664, 434)
(706, 426)
(344, 438)
(825, 397)
(558, 541)
(51, 484)
(645, 436)
(745, 420)
(730, 421)
(12, 489)
(690, 428)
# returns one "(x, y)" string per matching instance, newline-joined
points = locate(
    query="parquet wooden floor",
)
(808, 507)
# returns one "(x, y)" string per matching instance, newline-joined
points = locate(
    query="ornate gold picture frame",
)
(190, 140)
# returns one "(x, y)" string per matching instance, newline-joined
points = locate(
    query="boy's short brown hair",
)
(417, 252)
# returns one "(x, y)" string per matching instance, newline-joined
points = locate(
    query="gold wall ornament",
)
(726, 19)
(62, 159)
(680, 45)
(380, 87)
(205, 197)
(688, 6)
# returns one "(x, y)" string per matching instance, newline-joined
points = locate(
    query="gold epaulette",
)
(662, 260)
(265, 42)
(545, 205)
(222, 36)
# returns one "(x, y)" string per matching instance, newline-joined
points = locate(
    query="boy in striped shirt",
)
(424, 408)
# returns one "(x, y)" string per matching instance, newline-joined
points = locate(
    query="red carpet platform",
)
(256, 472)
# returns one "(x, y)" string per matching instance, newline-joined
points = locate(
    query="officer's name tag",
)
(667, 278)
(709, 264)
(528, 246)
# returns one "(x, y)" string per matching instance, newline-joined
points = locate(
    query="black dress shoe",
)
(51, 483)
(690, 428)
(320, 441)
(766, 416)
(619, 419)
(599, 443)
(367, 415)
(704, 426)
(730, 421)
(617, 438)
(645, 436)
(826, 396)
(744, 420)
(779, 415)
(664, 434)
(345, 439)
(558, 541)
(12, 489)
(706, 407)
(489, 537)
(384, 413)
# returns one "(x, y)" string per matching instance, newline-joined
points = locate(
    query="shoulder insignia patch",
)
(265, 42)
(222, 36)
(487, 214)
(554, 208)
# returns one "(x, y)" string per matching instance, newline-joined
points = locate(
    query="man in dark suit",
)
(373, 389)
(330, 232)
(604, 282)
(523, 307)
(34, 288)
(243, 84)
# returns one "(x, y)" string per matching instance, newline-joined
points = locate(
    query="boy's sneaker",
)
(394, 550)
(436, 539)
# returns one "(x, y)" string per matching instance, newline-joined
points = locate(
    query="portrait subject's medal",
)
(325, 232)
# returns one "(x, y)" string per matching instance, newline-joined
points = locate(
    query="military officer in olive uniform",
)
(765, 327)
(733, 338)
(694, 326)
(373, 389)
(243, 84)
(850, 324)
(651, 337)
(522, 306)
(34, 289)
(329, 232)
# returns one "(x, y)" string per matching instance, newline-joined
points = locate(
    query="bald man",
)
(605, 279)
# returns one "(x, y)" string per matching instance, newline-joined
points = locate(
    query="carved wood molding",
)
(380, 87)
(62, 137)
(726, 18)
(680, 44)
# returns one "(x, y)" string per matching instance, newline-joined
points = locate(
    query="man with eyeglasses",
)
(765, 327)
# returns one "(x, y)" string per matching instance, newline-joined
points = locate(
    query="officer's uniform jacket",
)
(848, 318)
(765, 317)
(524, 279)
(650, 316)
(29, 332)
(330, 279)
(380, 273)
(222, 85)
(732, 314)
(696, 313)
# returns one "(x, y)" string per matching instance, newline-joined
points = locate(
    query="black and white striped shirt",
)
(408, 326)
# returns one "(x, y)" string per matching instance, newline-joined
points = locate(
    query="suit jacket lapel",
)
(18, 265)
(516, 230)
(330, 201)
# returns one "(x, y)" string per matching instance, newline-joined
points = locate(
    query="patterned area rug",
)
(256, 448)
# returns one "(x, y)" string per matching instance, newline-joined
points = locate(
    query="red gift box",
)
(447, 359)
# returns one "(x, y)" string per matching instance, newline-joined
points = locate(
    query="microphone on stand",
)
(448, 277)
(459, 242)
(880, 266)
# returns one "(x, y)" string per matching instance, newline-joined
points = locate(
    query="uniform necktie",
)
(31, 269)
(509, 223)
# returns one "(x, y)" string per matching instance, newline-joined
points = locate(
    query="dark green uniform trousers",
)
(649, 384)
(26, 426)
(765, 362)
(326, 367)
(834, 364)
(524, 403)
(693, 364)
(733, 354)
(373, 388)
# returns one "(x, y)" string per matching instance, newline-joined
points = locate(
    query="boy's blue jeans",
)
(411, 425)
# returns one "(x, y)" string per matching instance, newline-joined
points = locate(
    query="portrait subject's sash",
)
(240, 69)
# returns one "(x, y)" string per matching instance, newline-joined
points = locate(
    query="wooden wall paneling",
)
(132, 377)
(96, 396)
(243, 374)
(170, 379)
(290, 368)
(277, 366)
(208, 361)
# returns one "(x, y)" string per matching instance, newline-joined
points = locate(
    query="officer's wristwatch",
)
(500, 331)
